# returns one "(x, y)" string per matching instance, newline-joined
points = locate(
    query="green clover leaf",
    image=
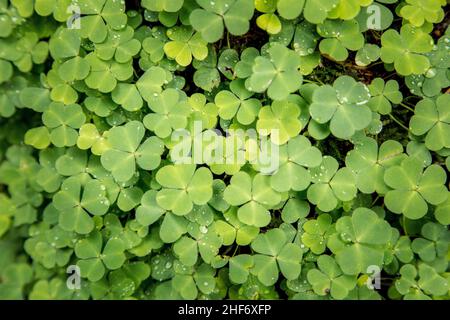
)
(76, 200)
(244, 66)
(15, 276)
(207, 75)
(254, 196)
(370, 163)
(171, 113)
(431, 117)
(383, 20)
(399, 247)
(294, 209)
(316, 11)
(203, 111)
(149, 212)
(153, 44)
(62, 91)
(275, 252)
(72, 163)
(203, 241)
(227, 63)
(186, 249)
(129, 198)
(210, 20)
(359, 241)
(338, 37)
(105, 74)
(119, 45)
(192, 149)
(317, 232)
(127, 151)
(163, 5)
(294, 157)
(115, 230)
(328, 278)
(38, 137)
(347, 10)
(189, 282)
(287, 9)
(280, 120)
(278, 73)
(383, 95)
(65, 43)
(232, 229)
(268, 21)
(14, 94)
(185, 44)
(367, 54)
(429, 282)
(73, 69)
(151, 82)
(417, 12)
(290, 9)
(253, 289)
(406, 49)
(50, 247)
(94, 258)
(305, 41)
(420, 152)
(415, 187)
(433, 244)
(217, 202)
(172, 227)
(127, 96)
(5, 216)
(330, 184)
(343, 105)
(28, 50)
(58, 8)
(436, 77)
(63, 121)
(442, 212)
(90, 138)
(101, 106)
(56, 289)
(240, 266)
(237, 103)
(6, 24)
(183, 186)
(97, 15)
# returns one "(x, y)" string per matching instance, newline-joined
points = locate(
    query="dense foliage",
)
(351, 94)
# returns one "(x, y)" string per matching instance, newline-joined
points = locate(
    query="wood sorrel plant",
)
(226, 149)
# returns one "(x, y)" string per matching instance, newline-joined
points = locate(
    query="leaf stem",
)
(404, 225)
(406, 106)
(375, 64)
(235, 251)
(312, 81)
(398, 122)
(376, 199)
